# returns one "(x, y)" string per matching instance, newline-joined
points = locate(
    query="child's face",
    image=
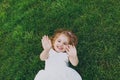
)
(61, 43)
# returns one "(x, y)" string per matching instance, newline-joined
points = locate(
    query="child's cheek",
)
(66, 47)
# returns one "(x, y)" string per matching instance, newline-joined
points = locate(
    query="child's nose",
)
(61, 44)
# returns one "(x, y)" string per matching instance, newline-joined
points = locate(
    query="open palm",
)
(46, 43)
(71, 50)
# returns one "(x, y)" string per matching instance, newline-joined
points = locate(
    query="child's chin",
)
(59, 51)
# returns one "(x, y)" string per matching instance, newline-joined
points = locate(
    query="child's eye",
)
(65, 44)
(58, 40)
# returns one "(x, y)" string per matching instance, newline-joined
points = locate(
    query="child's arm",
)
(46, 44)
(74, 60)
(44, 55)
(72, 52)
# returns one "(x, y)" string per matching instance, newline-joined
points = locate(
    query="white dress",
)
(56, 68)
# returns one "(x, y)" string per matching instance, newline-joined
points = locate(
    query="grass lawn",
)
(95, 22)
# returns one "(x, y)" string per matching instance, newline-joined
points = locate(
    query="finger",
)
(70, 47)
(73, 47)
(43, 39)
(42, 43)
(67, 49)
(46, 37)
(50, 43)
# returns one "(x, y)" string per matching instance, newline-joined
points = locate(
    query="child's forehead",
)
(63, 37)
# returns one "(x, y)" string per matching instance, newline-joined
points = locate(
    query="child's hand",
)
(46, 43)
(72, 53)
(71, 50)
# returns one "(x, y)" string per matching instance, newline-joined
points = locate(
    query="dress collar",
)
(56, 51)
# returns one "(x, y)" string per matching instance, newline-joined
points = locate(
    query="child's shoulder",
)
(52, 51)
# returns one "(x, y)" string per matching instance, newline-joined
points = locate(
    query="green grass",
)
(95, 22)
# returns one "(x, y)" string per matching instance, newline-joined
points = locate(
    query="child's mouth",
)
(60, 48)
